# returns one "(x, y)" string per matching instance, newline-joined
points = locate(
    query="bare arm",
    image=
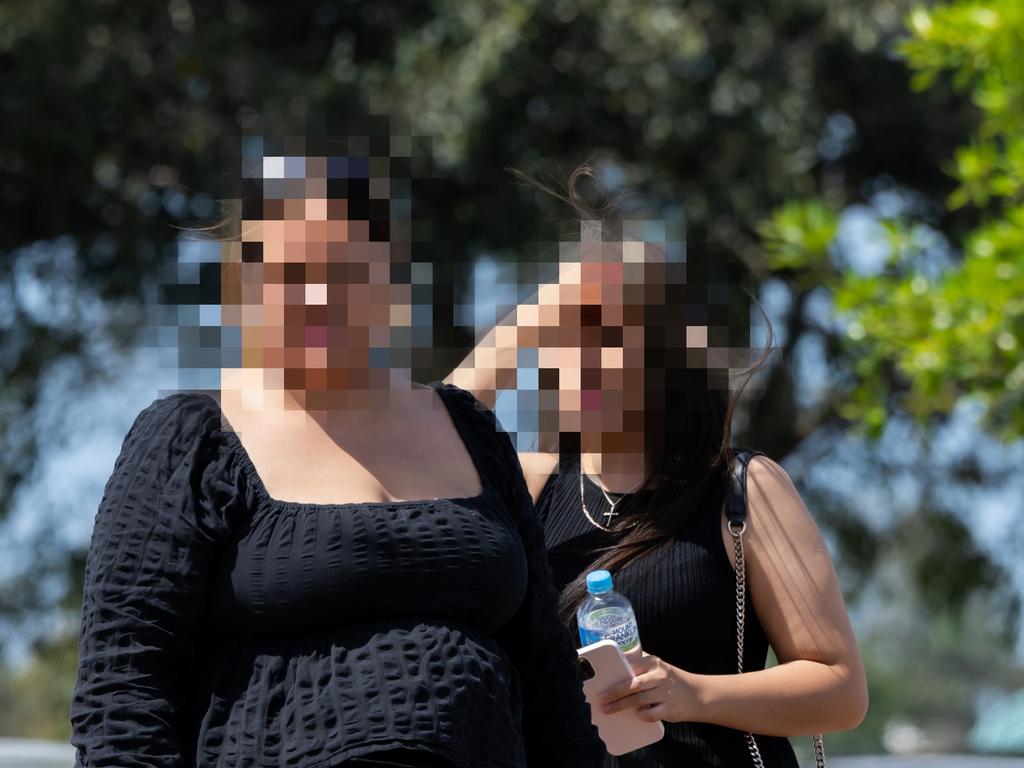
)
(492, 363)
(819, 684)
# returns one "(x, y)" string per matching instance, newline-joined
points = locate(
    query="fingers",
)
(639, 699)
(647, 679)
(652, 713)
(638, 683)
(643, 663)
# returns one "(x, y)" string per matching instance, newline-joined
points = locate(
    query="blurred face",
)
(597, 345)
(317, 292)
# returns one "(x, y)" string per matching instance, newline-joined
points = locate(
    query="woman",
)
(632, 335)
(327, 565)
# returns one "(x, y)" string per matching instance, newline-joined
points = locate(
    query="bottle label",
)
(610, 624)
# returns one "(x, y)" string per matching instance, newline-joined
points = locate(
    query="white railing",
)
(32, 753)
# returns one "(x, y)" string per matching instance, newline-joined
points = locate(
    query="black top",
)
(684, 597)
(223, 627)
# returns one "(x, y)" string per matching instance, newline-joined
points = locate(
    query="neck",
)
(617, 472)
(367, 390)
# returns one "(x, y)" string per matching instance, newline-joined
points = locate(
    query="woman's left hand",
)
(659, 691)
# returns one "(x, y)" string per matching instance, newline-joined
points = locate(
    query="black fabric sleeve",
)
(145, 591)
(556, 717)
(557, 727)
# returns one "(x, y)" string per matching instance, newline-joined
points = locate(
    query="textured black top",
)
(684, 597)
(222, 627)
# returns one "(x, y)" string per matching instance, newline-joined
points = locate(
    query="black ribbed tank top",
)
(684, 597)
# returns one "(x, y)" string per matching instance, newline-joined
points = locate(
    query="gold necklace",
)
(612, 504)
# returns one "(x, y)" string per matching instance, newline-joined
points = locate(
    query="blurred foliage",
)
(797, 237)
(903, 686)
(936, 619)
(127, 125)
(123, 123)
(34, 701)
(920, 339)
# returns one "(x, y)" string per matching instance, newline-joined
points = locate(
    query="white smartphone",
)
(603, 666)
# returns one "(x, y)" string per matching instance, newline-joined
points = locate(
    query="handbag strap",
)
(736, 512)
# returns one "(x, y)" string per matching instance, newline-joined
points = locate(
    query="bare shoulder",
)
(776, 511)
(763, 471)
(793, 582)
(537, 468)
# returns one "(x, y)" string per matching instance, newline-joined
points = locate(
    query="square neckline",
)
(261, 488)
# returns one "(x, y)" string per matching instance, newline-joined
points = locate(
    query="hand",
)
(659, 691)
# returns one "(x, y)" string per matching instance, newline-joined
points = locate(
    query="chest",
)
(298, 568)
(401, 456)
(683, 593)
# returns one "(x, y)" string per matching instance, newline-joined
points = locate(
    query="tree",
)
(923, 330)
(926, 331)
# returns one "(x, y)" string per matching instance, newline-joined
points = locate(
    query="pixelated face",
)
(610, 316)
(618, 337)
(317, 291)
(630, 335)
(621, 335)
(598, 343)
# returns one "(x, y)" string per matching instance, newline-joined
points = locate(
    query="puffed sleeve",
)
(556, 717)
(154, 538)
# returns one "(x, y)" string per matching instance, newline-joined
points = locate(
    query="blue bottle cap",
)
(598, 582)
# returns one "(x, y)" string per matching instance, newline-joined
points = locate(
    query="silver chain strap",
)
(741, 603)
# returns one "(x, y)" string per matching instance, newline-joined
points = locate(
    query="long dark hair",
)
(688, 409)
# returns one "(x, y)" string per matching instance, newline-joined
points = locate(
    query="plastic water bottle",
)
(606, 614)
